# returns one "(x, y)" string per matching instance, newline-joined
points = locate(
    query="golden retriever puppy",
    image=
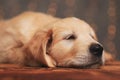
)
(36, 39)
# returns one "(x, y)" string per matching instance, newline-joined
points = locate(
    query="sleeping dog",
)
(36, 39)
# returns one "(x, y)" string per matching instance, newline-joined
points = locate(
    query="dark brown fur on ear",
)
(37, 48)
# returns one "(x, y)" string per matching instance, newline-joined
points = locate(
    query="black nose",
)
(96, 50)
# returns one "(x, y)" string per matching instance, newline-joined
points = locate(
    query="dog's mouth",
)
(95, 65)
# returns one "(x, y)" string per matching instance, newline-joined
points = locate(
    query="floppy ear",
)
(37, 47)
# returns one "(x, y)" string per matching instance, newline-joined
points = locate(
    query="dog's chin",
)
(93, 65)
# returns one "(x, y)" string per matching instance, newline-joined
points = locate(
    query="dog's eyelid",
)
(70, 37)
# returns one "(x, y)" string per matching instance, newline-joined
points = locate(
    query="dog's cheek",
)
(60, 50)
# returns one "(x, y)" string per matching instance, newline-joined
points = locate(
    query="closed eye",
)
(70, 37)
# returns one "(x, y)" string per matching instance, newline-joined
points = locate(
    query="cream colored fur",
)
(36, 39)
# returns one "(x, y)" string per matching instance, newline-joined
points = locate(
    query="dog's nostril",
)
(96, 50)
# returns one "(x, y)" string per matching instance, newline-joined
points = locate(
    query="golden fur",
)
(36, 39)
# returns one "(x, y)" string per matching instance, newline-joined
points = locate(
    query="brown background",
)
(102, 15)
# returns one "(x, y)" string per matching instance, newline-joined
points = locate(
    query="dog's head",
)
(69, 42)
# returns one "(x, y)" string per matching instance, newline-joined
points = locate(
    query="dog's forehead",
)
(71, 24)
